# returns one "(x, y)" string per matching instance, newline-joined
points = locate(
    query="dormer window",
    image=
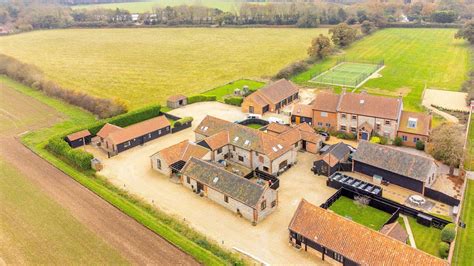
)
(412, 122)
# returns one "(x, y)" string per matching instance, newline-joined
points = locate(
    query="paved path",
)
(135, 242)
(410, 234)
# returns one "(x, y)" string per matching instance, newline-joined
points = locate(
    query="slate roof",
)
(229, 184)
(354, 241)
(107, 129)
(395, 231)
(326, 102)
(393, 160)
(370, 105)
(138, 129)
(335, 153)
(78, 135)
(423, 124)
(181, 151)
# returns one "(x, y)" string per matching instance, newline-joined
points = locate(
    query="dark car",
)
(325, 135)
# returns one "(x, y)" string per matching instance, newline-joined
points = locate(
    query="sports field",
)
(348, 74)
(144, 66)
(413, 58)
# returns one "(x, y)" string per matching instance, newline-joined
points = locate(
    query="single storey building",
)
(271, 98)
(414, 127)
(252, 200)
(341, 241)
(176, 101)
(401, 168)
(302, 113)
(114, 139)
(333, 159)
(171, 160)
(79, 138)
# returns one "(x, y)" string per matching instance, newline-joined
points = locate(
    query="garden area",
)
(233, 92)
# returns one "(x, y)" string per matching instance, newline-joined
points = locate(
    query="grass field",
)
(365, 215)
(228, 89)
(143, 66)
(426, 238)
(413, 58)
(349, 74)
(147, 6)
(36, 230)
(463, 252)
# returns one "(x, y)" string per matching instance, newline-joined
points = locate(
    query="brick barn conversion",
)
(397, 167)
(341, 241)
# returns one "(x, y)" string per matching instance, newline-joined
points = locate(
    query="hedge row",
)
(237, 101)
(76, 157)
(32, 76)
(129, 118)
(183, 121)
(201, 98)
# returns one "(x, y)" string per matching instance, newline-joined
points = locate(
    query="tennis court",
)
(348, 74)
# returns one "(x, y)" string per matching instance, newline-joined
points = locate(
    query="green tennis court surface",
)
(347, 74)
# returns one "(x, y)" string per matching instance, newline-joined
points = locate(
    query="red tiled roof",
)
(354, 241)
(277, 91)
(183, 150)
(326, 102)
(78, 135)
(138, 129)
(423, 123)
(370, 105)
(175, 98)
(107, 129)
(302, 110)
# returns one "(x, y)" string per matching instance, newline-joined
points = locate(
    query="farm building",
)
(171, 160)
(397, 167)
(114, 139)
(271, 98)
(341, 241)
(252, 200)
(79, 138)
(176, 101)
(253, 148)
(302, 113)
(414, 127)
(334, 158)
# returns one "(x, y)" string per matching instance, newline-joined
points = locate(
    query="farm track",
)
(135, 242)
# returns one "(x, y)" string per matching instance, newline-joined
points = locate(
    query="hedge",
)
(237, 101)
(443, 249)
(76, 157)
(201, 98)
(448, 233)
(183, 120)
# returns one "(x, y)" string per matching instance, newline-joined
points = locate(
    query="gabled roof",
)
(278, 91)
(175, 98)
(393, 160)
(78, 135)
(354, 241)
(335, 153)
(395, 231)
(326, 102)
(302, 110)
(107, 129)
(423, 123)
(370, 105)
(277, 128)
(182, 151)
(230, 184)
(138, 129)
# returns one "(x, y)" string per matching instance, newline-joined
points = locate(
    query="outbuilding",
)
(176, 101)
(79, 138)
(334, 158)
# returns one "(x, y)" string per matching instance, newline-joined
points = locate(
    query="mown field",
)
(143, 66)
(147, 6)
(463, 252)
(413, 58)
(36, 230)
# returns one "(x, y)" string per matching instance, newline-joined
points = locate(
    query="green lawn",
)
(469, 163)
(255, 126)
(364, 215)
(413, 58)
(426, 238)
(36, 230)
(228, 89)
(464, 252)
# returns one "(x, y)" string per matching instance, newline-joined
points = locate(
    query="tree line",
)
(23, 15)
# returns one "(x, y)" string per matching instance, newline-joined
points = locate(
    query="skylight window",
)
(236, 139)
(205, 128)
(279, 146)
(247, 142)
(215, 179)
(274, 149)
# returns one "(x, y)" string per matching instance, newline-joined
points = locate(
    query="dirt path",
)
(138, 244)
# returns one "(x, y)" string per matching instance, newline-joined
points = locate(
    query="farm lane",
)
(135, 242)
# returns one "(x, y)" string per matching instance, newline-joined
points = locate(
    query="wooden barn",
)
(79, 138)
(333, 159)
(401, 168)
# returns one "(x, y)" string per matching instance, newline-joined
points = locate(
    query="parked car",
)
(254, 116)
(325, 135)
(276, 120)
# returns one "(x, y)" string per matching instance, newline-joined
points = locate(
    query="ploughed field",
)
(413, 58)
(143, 66)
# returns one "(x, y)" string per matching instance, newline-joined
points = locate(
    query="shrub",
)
(76, 157)
(201, 98)
(448, 233)
(443, 249)
(31, 76)
(183, 121)
(237, 101)
(398, 141)
(420, 145)
(345, 135)
(375, 139)
(291, 70)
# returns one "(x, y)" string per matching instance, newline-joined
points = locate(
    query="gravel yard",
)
(267, 241)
